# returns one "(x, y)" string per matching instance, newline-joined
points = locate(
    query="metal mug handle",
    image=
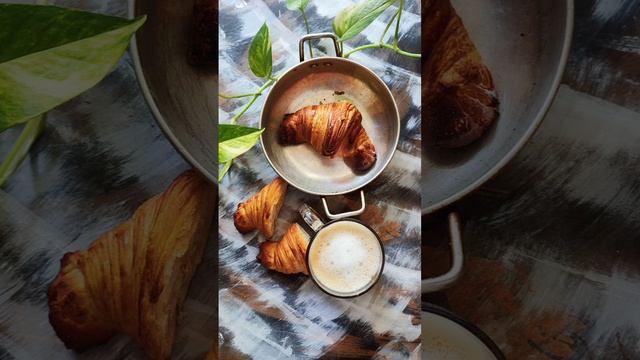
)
(311, 217)
(447, 279)
(332, 36)
(332, 216)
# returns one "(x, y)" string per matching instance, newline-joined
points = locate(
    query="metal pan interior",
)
(324, 80)
(181, 97)
(525, 45)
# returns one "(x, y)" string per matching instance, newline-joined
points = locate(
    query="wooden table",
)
(553, 242)
(267, 315)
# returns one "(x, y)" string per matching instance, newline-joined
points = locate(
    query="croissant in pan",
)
(331, 129)
(261, 210)
(134, 278)
(288, 255)
(458, 93)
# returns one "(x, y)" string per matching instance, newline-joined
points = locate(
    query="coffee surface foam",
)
(345, 257)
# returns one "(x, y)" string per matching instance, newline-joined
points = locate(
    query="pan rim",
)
(157, 114)
(555, 85)
(394, 142)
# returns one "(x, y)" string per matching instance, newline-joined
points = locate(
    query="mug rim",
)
(378, 276)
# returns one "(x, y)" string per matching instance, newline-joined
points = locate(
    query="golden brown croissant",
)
(458, 95)
(262, 209)
(288, 255)
(331, 129)
(134, 278)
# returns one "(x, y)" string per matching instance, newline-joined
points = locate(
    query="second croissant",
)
(331, 129)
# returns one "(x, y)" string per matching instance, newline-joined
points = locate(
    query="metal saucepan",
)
(525, 44)
(181, 97)
(322, 80)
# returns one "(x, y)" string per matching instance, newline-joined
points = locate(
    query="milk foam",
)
(345, 257)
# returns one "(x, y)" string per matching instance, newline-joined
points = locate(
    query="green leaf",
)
(235, 140)
(355, 18)
(51, 54)
(297, 4)
(260, 60)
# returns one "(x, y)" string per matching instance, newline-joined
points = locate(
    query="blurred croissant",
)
(458, 94)
(331, 129)
(288, 255)
(261, 210)
(134, 278)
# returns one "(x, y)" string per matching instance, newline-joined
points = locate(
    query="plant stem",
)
(396, 35)
(388, 26)
(253, 100)
(386, 46)
(258, 93)
(235, 96)
(397, 17)
(363, 47)
(20, 149)
(224, 170)
(234, 119)
(306, 25)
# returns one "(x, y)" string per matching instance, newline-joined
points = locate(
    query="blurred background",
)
(552, 243)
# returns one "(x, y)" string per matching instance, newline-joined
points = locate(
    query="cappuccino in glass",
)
(345, 258)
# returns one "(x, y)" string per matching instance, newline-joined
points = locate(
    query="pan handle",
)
(445, 280)
(332, 36)
(345, 214)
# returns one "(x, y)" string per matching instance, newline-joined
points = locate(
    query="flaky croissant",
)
(134, 278)
(331, 129)
(262, 209)
(288, 255)
(458, 92)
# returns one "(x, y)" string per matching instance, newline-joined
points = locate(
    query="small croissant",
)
(331, 129)
(261, 210)
(288, 255)
(134, 278)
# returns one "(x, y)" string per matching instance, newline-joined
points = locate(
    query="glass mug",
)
(345, 257)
